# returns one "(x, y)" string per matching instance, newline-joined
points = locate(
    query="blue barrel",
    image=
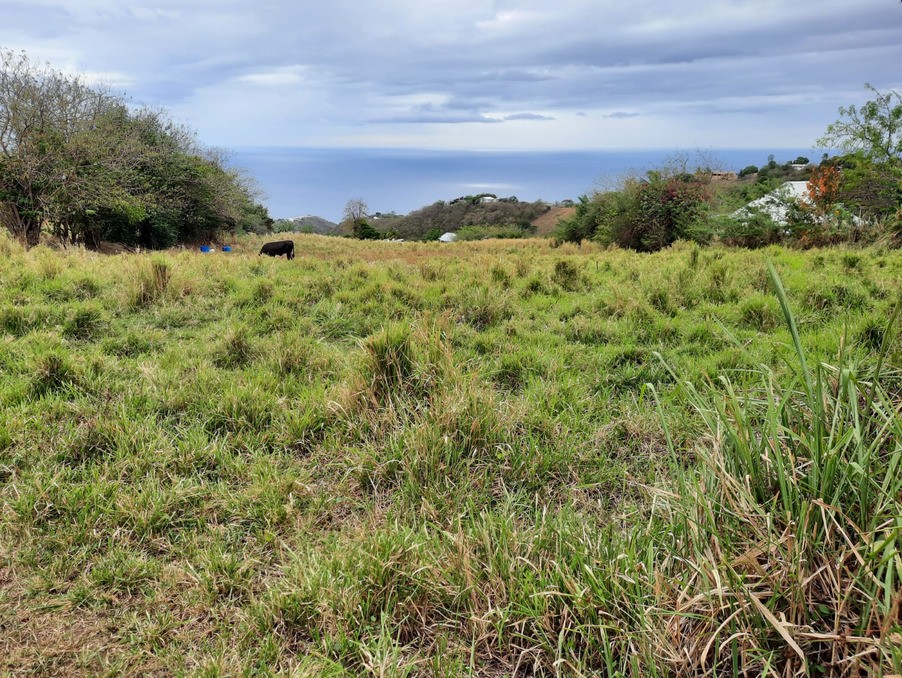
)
(204, 248)
(226, 248)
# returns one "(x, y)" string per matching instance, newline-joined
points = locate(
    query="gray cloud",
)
(528, 116)
(598, 72)
(442, 118)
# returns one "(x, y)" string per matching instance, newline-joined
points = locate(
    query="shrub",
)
(485, 232)
(585, 222)
(432, 234)
(756, 229)
(363, 231)
(651, 214)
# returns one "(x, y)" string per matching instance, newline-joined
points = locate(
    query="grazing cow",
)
(278, 248)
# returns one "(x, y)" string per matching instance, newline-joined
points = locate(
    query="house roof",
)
(776, 203)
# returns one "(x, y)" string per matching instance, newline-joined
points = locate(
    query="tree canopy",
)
(83, 163)
(874, 129)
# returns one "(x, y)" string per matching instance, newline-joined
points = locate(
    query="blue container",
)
(204, 248)
(226, 248)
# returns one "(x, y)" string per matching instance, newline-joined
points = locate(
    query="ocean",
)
(320, 181)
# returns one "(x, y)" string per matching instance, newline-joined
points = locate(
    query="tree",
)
(54, 130)
(84, 163)
(871, 135)
(355, 210)
(823, 187)
(363, 231)
(875, 129)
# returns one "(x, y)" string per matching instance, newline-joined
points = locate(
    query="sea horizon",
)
(319, 181)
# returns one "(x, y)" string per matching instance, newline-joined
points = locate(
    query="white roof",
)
(448, 237)
(776, 203)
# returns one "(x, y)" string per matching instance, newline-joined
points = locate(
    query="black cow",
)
(278, 248)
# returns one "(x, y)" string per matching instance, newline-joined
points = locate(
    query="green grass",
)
(493, 458)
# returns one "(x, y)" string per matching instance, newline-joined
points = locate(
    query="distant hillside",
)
(546, 223)
(306, 224)
(441, 217)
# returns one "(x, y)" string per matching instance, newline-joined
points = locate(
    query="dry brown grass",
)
(546, 223)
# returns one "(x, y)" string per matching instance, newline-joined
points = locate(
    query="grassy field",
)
(492, 458)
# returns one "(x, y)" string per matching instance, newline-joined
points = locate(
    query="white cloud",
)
(277, 77)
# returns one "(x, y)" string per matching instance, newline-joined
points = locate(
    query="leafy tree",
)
(874, 189)
(871, 135)
(644, 214)
(584, 223)
(56, 134)
(823, 187)
(83, 162)
(746, 171)
(874, 129)
(651, 214)
(363, 231)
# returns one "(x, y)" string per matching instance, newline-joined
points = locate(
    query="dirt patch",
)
(38, 637)
(546, 223)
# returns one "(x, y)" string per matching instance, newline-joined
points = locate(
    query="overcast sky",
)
(478, 74)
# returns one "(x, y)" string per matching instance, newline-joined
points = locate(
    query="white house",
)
(448, 237)
(776, 203)
(488, 198)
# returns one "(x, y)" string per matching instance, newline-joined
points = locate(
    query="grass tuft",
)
(153, 282)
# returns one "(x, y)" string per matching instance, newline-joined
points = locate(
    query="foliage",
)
(451, 216)
(823, 186)
(874, 129)
(362, 230)
(753, 230)
(590, 213)
(644, 215)
(484, 232)
(873, 188)
(432, 234)
(871, 136)
(90, 166)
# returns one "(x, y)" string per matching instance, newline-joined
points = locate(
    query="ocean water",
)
(320, 181)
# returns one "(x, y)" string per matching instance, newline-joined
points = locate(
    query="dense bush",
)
(485, 232)
(363, 231)
(86, 164)
(441, 217)
(644, 215)
(755, 230)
